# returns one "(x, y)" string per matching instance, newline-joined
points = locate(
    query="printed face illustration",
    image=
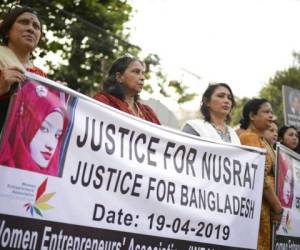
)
(45, 140)
(296, 103)
(287, 186)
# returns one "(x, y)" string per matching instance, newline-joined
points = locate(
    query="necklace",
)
(225, 135)
(136, 111)
(139, 112)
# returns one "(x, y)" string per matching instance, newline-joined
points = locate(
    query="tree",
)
(238, 110)
(273, 90)
(88, 35)
(174, 89)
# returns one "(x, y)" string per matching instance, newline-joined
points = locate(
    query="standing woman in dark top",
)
(122, 86)
(20, 33)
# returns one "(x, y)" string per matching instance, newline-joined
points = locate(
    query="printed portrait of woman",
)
(294, 102)
(33, 134)
(285, 181)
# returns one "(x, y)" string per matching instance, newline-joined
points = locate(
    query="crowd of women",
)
(20, 33)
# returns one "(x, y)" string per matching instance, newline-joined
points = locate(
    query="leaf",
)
(44, 206)
(45, 198)
(27, 205)
(38, 211)
(41, 189)
(31, 211)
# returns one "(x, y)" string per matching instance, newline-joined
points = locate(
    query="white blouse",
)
(207, 131)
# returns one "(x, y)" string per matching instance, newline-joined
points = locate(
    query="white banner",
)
(124, 183)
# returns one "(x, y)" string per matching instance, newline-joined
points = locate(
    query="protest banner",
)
(288, 190)
(123, 183)
(291, 106)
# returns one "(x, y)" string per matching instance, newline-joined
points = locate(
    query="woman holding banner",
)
(34, 131)
(288, 136)
(20, 33)
(257, 117)
(217, 103)
(122, 87)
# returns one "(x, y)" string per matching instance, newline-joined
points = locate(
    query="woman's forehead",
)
(136, 64)
(265, 105)
(222, 89)
(28, 15)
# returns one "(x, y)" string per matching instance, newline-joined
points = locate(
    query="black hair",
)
(297, 149)
(204, 109)
(9, 20)
(252, 106)
(111, 85)
(282, 131)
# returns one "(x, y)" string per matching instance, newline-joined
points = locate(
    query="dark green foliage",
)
(273, 90)
(88, 34)
(174, 89)
(238, 110)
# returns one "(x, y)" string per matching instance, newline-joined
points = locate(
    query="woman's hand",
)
(8, 77)
(274, 203)
(276, 217)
